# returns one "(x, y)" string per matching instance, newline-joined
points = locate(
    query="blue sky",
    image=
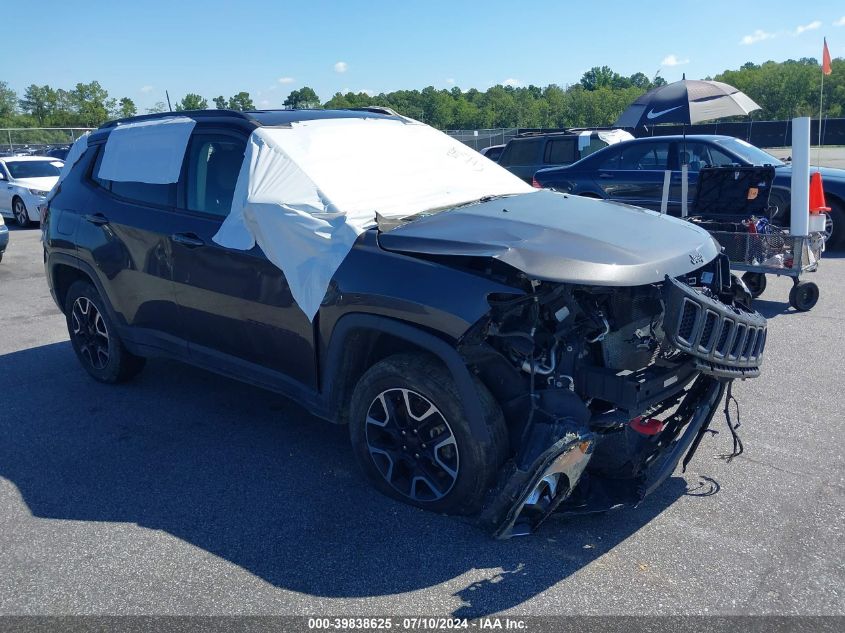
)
(137, 49)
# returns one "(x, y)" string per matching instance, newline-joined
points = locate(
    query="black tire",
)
(781, 200)
(420, 472)
(756, 283)
(20, 212)
(94, 337)
(804, 295)
(835, 225)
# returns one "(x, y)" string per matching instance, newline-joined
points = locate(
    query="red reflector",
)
(651, 426)
(535, 184)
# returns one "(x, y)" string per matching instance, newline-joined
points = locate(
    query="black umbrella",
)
(687, 101)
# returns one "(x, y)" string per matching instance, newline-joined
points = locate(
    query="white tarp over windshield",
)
(147, 151)
(306, 192)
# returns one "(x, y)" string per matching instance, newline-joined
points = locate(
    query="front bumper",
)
(581, 472)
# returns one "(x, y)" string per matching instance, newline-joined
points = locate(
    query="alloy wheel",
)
(90, 332)
(412, 445)
(21, 216)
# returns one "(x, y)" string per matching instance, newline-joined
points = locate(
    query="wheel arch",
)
(360, 340)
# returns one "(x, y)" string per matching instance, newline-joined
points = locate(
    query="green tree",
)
(303, 98)
(8, 100)
(89, 101)
(159, 106)
(220, 102)
(191, 101)
(241, 101)
(127, 108)
(38, 101)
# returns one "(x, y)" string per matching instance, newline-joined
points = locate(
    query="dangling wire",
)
(737, 448)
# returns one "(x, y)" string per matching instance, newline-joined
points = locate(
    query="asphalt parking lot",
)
(184, 493)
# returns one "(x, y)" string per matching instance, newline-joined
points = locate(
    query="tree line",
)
(783, 89)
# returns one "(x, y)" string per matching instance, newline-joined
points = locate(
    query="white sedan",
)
(24, 184)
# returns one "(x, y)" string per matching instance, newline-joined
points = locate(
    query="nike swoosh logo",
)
(654, 115)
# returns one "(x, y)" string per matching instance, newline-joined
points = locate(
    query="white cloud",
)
(672, 60)
(451, 81)
(146, 89)
(510, 81)
(812, 26)
(840, 21)
(757, 36)
(286, 80)
(341, 67)
(264, 103)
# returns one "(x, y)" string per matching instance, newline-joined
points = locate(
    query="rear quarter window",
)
(521, 152)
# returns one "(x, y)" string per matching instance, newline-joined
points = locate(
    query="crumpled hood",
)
(558, 237)
(44, 183)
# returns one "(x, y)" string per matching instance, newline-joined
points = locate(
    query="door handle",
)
(187, 239)
(96, 218)
(605, 175)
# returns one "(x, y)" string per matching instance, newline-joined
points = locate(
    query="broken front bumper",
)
(572, 475)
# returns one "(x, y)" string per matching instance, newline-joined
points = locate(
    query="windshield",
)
(33, 168)
(752, 155)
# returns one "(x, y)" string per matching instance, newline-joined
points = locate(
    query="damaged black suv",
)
(502, 357)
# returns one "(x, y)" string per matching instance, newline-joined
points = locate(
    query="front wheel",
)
(413, 441)
(94, 337)
(20, 212)
(834, 227)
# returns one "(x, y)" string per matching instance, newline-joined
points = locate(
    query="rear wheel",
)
(94, 337)
(413, 441)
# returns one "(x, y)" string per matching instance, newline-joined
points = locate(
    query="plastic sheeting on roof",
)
(76, 151)
(147, 151)
(305, 193)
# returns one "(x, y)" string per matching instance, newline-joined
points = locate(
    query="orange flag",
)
(825, 59)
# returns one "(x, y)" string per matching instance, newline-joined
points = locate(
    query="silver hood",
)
(559, 237)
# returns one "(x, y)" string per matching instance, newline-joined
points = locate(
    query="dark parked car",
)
(632, 172)
(57, 152)
(4, 237)
(505, 357)
(527, 153)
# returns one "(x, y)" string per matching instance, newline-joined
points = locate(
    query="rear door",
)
(633, 173)
(235, 305)
(125, 235)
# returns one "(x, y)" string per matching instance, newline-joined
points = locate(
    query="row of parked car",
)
(613, 165)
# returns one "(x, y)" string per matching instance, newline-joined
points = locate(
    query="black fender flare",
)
(441, 349)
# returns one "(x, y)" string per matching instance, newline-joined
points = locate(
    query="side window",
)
(645, 156)
(214, 161)
(609, 159)
(145, 193)
(521, 152)
(560, 152)
(595, 145)
(720, 159)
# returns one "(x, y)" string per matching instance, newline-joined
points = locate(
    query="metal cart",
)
(775, 252)
(732, 204)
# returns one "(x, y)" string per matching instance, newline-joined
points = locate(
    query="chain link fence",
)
(479, 139)
(759, 133)
(30, 140)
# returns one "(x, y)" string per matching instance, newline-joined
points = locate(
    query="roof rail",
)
(190, 113)
(376, 110)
